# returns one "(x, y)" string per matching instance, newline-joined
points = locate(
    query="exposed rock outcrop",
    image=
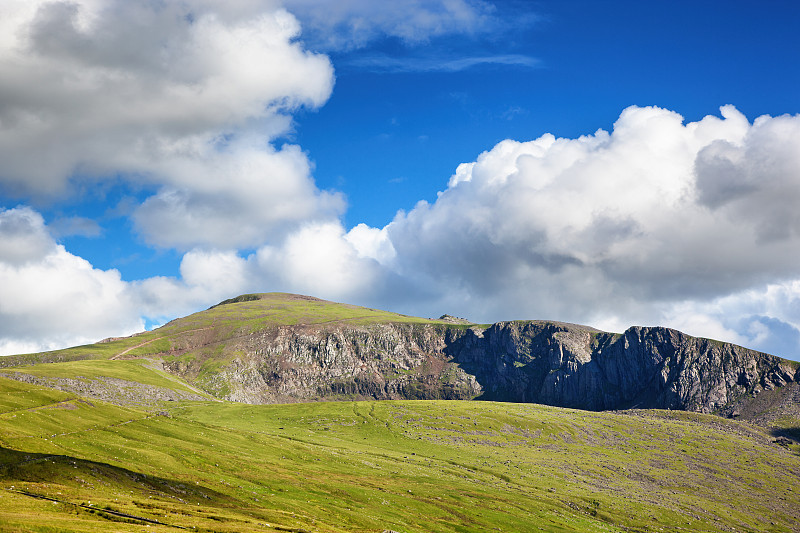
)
(571, 366)
(113, 390)
(303, 363)
(542, 362)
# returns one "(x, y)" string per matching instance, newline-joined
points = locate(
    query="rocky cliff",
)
(542, 362)
(572, 366)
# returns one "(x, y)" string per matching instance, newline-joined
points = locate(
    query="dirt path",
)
(145, 343)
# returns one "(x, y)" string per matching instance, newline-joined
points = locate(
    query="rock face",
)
(570, 366)
(306, 363)
(542, 362)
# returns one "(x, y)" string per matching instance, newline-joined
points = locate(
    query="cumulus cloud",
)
(185, 97)
(758, 179)
(318, 259)
(206, 277)
(765, 317)
(659, 221)
(185, 100)
(371, 242)
(656, 222)
(632, 226)
(237, 198)
(50, 298)
(23, 237)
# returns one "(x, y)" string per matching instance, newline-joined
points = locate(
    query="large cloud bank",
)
(692, 225)
(185, 100)
(659, 221)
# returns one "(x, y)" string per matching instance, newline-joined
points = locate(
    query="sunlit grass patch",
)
(135, 371)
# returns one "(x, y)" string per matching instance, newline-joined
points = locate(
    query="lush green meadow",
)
(374, 466)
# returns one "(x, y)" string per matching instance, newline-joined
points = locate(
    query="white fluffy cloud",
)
(185, 99)
(207, 277)
(646, 224)
(182, 96)
(654, 222)
(50, 298)
(318, 259)
(238, 198)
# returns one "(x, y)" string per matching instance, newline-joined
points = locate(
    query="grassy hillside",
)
(125, 382)
(204, 342)
(232, 318)
(372, 466)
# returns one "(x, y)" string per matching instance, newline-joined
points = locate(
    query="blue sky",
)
(589, 61)
(593, 162)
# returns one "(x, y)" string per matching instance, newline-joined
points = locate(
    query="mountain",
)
(137, 433)
(278, 348)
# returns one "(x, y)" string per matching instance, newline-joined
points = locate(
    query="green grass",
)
(408, 466)
(202, 344)
(126, 382)
(238, 317)
(89, 351)
(136, 371)
(274, 309)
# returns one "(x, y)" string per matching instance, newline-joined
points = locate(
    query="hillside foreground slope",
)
(67, 463)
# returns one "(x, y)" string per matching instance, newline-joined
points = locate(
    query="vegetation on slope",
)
(369, 466)
(124, 382)
(197, 347)
(238, 316)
